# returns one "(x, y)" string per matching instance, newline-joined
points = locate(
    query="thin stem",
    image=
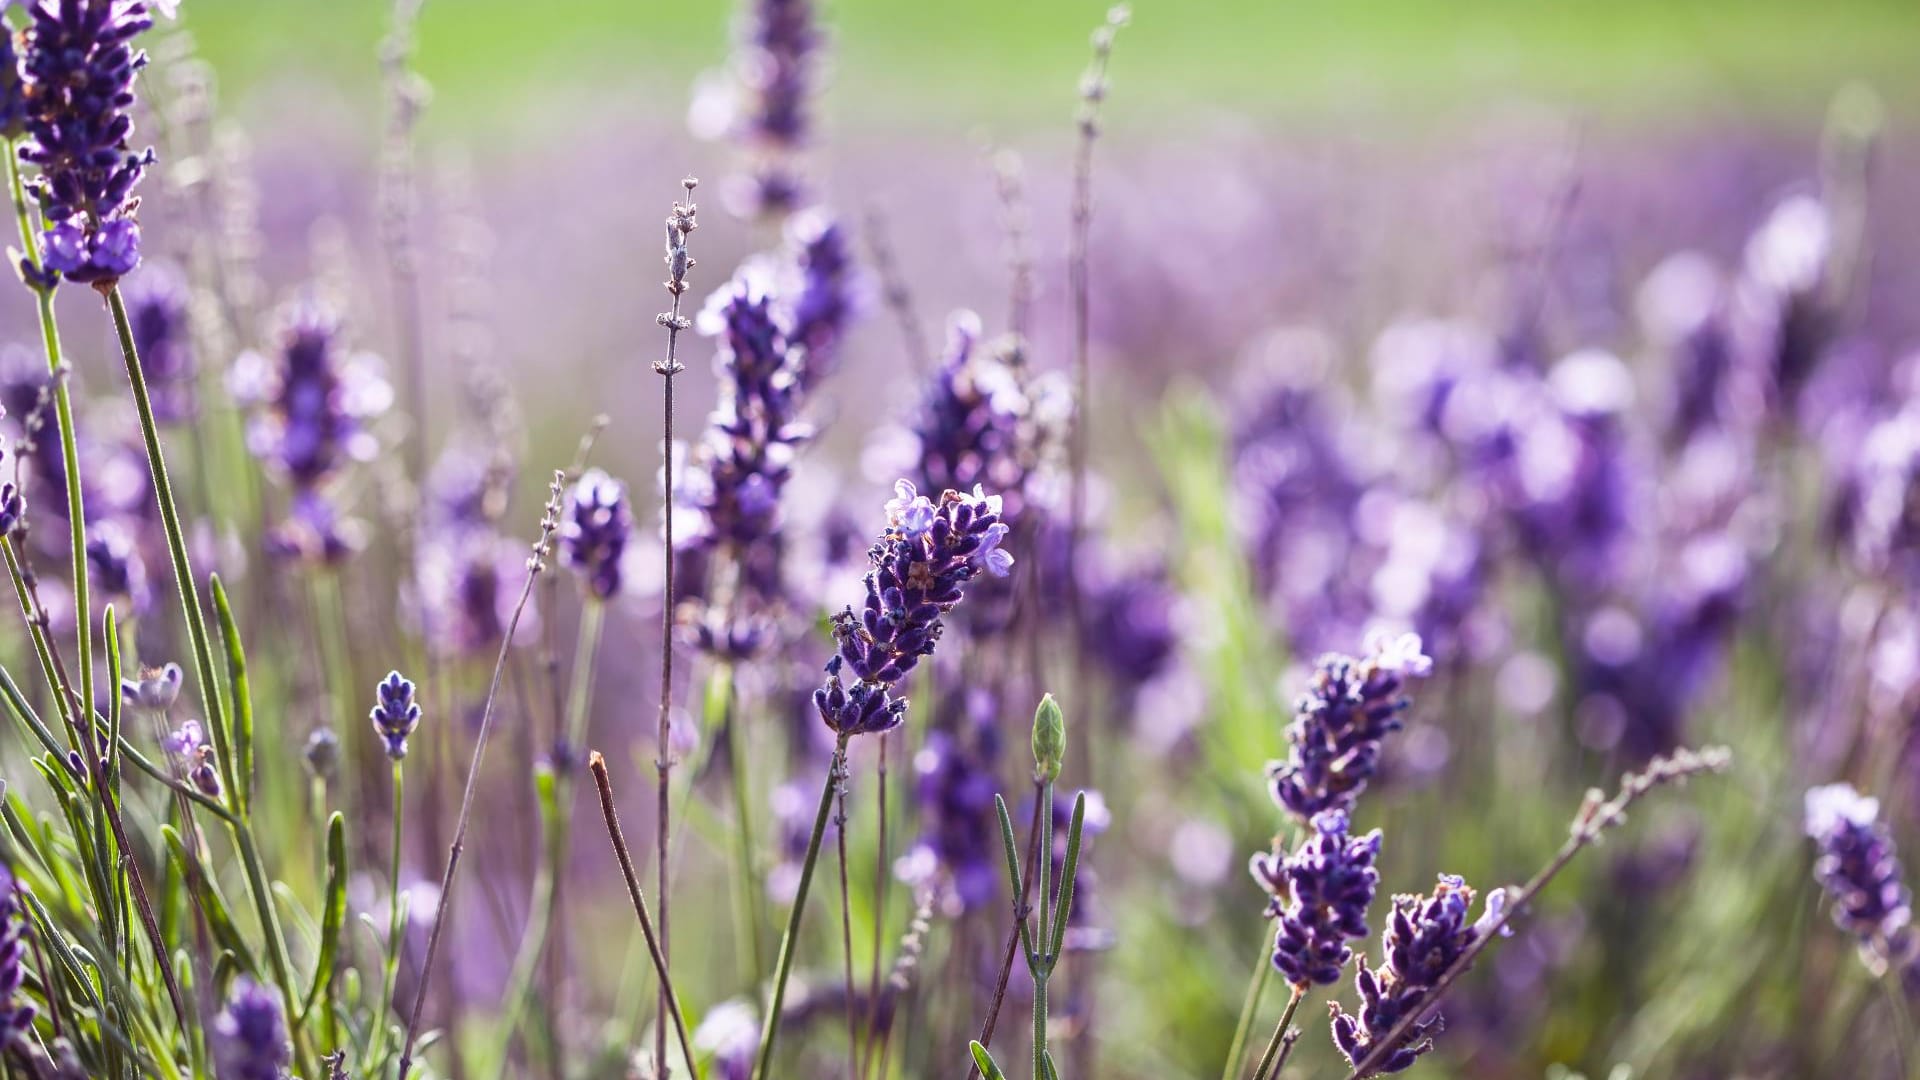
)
(1256, 989)
(680, 222)
(1040, 964)
(846, 931)
(63, 409)
(536, 563)
(1022, 910)
(378, 1039)
(746, 880)
(880, 877)
(770, 1025)
(1092, 93)
(1269, 1060)
(655, 950)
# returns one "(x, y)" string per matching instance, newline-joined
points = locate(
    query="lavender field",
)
(783, 539)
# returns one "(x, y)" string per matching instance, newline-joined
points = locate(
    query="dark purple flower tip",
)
(155, 690)
(1861, 873)
(395, 713)
(250, 1039)
(322, 752)
(1349, 707)
(12, 508)
(593, 537)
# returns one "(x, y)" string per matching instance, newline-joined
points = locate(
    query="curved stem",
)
(1039, 964)
(770, 1025)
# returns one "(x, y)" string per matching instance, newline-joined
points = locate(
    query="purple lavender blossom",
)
(314, 531)
(747, 455)
(1861, 872)
(970, 425)
(314, 402)
(1349, 706)
(468, 585)
(826, 299)
(116, 567)
(774, 67)
(595, 531)
(16, 1014)
(250, 1039)
(1425, 938)
(395, 713)
(729, 1036)
(957, 856)
(155, 690)
(79, 72)
(920, 568)
(1782, 301)
(1320, 895)
(157, 310)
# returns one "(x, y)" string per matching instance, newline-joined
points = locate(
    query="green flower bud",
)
(1049, 739)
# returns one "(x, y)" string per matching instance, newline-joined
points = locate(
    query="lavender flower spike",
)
(395, 713)
(1320, 894)
(16, 1015)
(1350, 705)
(593, 538)
(250, 1035)
(1425, 938)
(80, 66)
(1861, 872)
(920, 569)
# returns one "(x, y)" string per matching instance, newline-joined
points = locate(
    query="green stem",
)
(1267, 1060)
(63, 409)
(747, 882)
(770, 1025)
(378, 1039)
(1256, 989)
(1039, 964)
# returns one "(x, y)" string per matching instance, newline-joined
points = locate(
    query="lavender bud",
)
(1320, 895)
(203, 776)
(395, 713)
(155, 690)
(1349, 707)
(593, 538)
(79, 73)
(250, 1035)
(322, 752)
(1049, 739)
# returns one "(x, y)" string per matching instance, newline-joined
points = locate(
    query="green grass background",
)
(903, 62)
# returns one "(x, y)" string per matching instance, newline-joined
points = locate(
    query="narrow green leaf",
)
(1058, 936)
(240, 695)
(985, 1060)
(1012, 846)
(211, 901)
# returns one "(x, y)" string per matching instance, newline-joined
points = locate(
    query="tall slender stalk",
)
(681, 221)
(1036, 962)
(536, 564)
(377, 1041)
(63, 410)
(770, 1024)
(846, 932)
(1093, 91)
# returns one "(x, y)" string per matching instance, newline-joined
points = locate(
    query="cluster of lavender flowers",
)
(78, 74)
(1427, 937)
(16, 1015)
(250, 1035)
(920, 568)
(1349, 707)
(595, 531)
(312, 407)
(1320, 895)
(1861, 873)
